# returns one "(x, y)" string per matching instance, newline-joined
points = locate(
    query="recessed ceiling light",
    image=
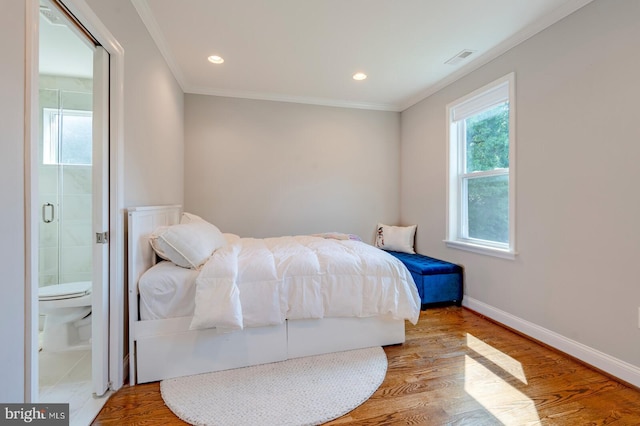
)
(359, 76)
(215, 59)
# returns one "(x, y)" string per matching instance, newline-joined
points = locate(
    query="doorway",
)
(71, 210)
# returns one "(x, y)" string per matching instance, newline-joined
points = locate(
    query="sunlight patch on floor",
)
(500, 359)
(484, 383)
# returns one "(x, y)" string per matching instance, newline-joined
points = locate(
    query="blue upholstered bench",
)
(437, 281)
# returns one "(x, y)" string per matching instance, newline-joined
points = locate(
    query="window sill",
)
(486, 250)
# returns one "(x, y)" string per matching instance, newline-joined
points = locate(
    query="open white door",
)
(100, 291)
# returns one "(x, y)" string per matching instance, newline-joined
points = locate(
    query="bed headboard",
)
(142, 222)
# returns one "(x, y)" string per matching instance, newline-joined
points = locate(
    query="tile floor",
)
(65, 377)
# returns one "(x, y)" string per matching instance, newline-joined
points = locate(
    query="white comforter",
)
(255, 282)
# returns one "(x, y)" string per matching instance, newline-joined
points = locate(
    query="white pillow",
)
(396, 238)
(190, 218)
(188, 244)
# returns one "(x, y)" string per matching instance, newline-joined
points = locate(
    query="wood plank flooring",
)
(456, 368)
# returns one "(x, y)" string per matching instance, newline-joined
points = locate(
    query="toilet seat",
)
(64, 291)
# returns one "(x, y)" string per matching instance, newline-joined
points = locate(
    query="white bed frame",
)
(162, 349)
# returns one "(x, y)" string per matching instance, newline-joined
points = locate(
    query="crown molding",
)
(149, 21)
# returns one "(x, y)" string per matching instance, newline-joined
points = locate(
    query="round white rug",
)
(300, 391)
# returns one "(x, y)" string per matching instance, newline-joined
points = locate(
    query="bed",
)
(177, 334)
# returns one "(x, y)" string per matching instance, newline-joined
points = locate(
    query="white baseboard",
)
(623, 370)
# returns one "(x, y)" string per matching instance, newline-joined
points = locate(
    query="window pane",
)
(488, 208)
(76, 138)
(487, 139)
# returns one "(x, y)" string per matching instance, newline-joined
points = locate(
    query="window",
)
(67, 136)
(481, 184)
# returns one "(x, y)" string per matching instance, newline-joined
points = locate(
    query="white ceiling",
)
(307, 50)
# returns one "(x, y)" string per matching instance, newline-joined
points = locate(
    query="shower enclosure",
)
(65, 187)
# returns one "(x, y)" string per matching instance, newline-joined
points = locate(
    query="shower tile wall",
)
(76, 224)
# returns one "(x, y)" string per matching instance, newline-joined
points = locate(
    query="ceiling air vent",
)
(460, 57)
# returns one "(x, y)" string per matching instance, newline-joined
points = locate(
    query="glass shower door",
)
(48, 180)
(65, 183)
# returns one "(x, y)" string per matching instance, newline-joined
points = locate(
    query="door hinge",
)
(102, 237)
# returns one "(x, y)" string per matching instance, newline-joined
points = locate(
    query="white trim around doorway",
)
(117, 213)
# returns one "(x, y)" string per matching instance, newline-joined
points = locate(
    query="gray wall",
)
(154, 111)
(578, 237)
(262, 168)
(12, 262)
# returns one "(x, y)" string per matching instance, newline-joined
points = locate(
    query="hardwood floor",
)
(456, 368)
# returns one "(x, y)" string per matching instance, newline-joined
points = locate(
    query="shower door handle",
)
(51, 209)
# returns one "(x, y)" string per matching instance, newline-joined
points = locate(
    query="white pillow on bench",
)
(396, 238)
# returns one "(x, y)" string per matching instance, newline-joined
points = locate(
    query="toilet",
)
(67, 311)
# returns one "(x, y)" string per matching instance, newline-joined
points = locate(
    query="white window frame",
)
(51, 133)
(471, 104)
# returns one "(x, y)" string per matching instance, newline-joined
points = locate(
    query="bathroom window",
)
(67, 136)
